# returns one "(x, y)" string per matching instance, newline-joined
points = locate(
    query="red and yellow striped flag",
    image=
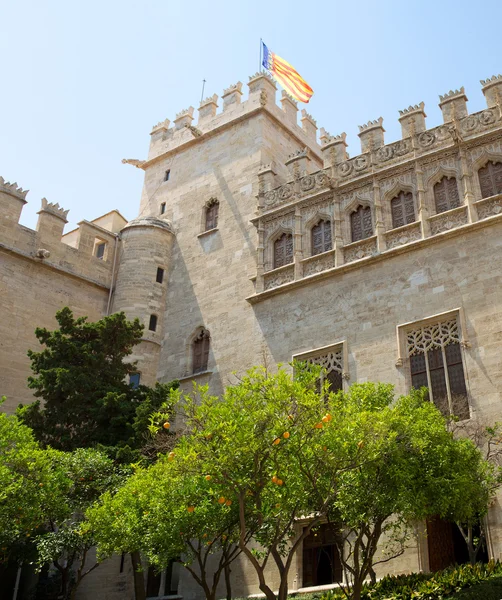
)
(290, 79)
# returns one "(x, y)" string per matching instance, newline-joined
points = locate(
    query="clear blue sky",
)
(83, 82)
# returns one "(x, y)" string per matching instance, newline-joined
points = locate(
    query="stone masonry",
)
(369, 302)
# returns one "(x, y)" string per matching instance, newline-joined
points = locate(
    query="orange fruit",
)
(190, 509)
(228, 502)
(280, 482)
(318, 425)
(170, 456)
(285, 435)
(274, 478)
(207, 477)
(277, 441)
(221, 499)
(166, 425)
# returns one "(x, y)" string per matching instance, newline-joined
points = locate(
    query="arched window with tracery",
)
(446, 194)
(283, 250)
(211, 216)
(360, 223)
(321, 237)
(200, 351)
(490, 179)
(403, 209)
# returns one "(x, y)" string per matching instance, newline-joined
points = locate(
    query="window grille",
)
(446, 194)
(490, 179)
(321, 237)
(200, 351)
(403, 209)
(212, 210)
(283, 250)
(436, 363)
(360, 223)
(332, 369)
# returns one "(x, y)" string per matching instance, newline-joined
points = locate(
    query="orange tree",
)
(167, 514)
(272, 447)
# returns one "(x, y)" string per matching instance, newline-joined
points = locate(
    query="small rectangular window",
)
(160, 275)
(100, 250)
(162, 208)
(134, 379)
(152, 326)
(167, 174)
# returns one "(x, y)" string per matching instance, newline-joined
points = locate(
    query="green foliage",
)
(426, 586)
(82, 378)
(28, 485)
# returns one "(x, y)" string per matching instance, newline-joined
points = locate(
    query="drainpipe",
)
(112, 282)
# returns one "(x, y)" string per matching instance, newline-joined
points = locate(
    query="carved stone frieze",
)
(478, 121)
(309, 211)
(451, 220)
(448, 163)
(362, 194)
(395, 150)
(275, 279)
(308, 184)
(399, 238)
(281, 222)
(354, 166)
(314, 181)
(392, 182)
(493, 148)
(489, 208)
(318, 264)
(360, 250)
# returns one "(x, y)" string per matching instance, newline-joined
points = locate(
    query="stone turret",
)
(371, 135)
(51, 221)
(13, 199)
(141, 288)
(453, 105)
(492, 89)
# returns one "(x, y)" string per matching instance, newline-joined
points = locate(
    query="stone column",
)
(423, 213)
(379, 221)
(338, 241)
(472, 214)
(297, 241)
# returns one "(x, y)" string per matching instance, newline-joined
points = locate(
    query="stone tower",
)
(141, 287)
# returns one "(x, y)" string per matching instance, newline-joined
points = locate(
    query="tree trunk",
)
(283, 587)
(356, 589)
(139, 580)
(228, 583)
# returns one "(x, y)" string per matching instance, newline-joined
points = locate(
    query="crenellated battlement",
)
(12, 189)
(262, 92)
(74, 252)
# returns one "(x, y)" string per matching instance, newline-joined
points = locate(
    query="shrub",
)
(425, 586)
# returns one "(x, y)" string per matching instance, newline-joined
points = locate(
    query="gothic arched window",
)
(360, 223)
(321, 237)
(403, 209)
(490, 179)
(446, 194)
(212, 209)
(283, 250)
(200, 351)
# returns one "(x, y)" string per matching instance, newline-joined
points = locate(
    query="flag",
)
(290, 79)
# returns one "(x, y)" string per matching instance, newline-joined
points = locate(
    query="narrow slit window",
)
(134, 379)
(100, 250)
(160, 275)
(152, 326)
(212, 210)
(200, 351)
(162, 208)
(167, 174)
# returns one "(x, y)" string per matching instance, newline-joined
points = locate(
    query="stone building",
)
(257, 242)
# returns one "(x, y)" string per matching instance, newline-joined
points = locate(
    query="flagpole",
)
(261, 42)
